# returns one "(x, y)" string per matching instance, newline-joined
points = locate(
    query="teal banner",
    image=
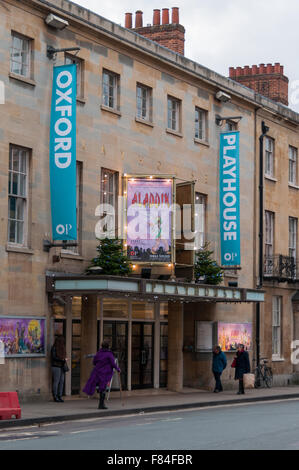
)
(229, 181)
(63, 153)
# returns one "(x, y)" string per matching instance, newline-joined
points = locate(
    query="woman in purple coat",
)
(102, 373)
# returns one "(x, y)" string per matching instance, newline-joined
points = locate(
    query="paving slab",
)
(144, 401)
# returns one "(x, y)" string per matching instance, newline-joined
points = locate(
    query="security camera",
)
(221, 96)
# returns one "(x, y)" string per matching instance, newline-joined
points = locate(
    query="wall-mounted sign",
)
(204, 336)
(232, 334)
(23, 336)
(149, 219)
(229, 181)
(63, 153)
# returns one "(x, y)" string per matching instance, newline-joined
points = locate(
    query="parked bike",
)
(263, 375)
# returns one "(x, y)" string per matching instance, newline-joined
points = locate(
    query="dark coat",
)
(242, 364)
(102, 372)
(55, 360)
(219, 362)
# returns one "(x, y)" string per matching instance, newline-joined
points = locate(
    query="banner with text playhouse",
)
(63, 153)
(229, 180)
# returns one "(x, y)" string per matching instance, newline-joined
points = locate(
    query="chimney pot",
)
(175, 15)
(138, 19)
(165, 15)
(128, 20)
(156, 18)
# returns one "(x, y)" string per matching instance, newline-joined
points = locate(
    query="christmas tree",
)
(206, 268)
(111, 258)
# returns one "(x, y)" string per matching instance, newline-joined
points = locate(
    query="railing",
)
(280, 267)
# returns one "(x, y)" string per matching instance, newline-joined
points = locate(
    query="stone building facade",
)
(114, 139)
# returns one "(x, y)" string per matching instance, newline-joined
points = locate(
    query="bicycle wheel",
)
(258, 378)
(268, 377)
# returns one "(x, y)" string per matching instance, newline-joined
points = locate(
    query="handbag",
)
(234, 363)
(248, 380)
(65, 367)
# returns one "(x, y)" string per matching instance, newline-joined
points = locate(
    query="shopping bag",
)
(248, 380)
(234, 363)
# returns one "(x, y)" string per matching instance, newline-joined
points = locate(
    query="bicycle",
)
(263, 374)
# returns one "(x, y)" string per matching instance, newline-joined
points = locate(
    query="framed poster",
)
(149, 219)
(231, 334)
(204, 336)
(23, 336)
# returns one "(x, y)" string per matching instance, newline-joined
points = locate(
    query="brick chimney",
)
(171, 35)
(268, 80)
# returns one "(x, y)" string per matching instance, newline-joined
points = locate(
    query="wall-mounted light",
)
(51, 51)
(56, 22)
(220, 119)
(222, 96)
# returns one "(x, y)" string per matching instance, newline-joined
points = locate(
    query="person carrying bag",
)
(242, 366)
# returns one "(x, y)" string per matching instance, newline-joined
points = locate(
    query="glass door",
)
(142, 354)
(76, 353)
(116, 334)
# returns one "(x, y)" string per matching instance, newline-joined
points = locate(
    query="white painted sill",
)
(170, 131)
(110, 110)
(201, 142)
(271, 178)
(143, 121)
(20, 78)
(293, 186)
(19, 249)
(277, 359)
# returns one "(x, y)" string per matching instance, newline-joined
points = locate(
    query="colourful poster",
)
(231, 334)
(23, 336)
(63, 153)
(229, 182)
(149, 219)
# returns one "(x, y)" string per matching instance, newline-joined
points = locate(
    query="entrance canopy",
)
(149, 290)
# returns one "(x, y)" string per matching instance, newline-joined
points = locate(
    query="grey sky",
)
(224, 33)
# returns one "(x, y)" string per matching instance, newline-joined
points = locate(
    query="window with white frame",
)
(269, 241)
(173, 114)
(110, 89)
(293, 225)
(200, 124)
(200, 222)
(18, 195)
(109, 193)
(69, 59)
(143, 102)
(269, 157)
(276, 326)
(292, 165)
(20, 55)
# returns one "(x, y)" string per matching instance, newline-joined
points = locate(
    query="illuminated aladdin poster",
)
(231, 334)
(23, 337)
(149, 219)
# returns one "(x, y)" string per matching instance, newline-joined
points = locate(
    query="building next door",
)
(116, 334)
(142, 354)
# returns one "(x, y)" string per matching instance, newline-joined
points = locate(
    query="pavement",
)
(141, 401)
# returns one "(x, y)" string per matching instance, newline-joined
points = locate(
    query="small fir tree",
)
(111, 258)
(206, 267)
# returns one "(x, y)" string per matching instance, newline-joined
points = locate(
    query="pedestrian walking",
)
(104, 364)
(242, 366)
(59, 366)
(218, 365)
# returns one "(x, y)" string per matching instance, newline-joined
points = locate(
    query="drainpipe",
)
(265, 129)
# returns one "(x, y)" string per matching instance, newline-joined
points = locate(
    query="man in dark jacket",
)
(242, 367)
(218, 366)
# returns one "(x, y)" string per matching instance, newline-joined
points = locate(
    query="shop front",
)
(146, 323)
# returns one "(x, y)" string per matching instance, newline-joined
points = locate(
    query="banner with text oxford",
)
(229, 180)
(63, 153)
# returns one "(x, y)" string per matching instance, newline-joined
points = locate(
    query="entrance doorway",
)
(142, 354)
(116, 334)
